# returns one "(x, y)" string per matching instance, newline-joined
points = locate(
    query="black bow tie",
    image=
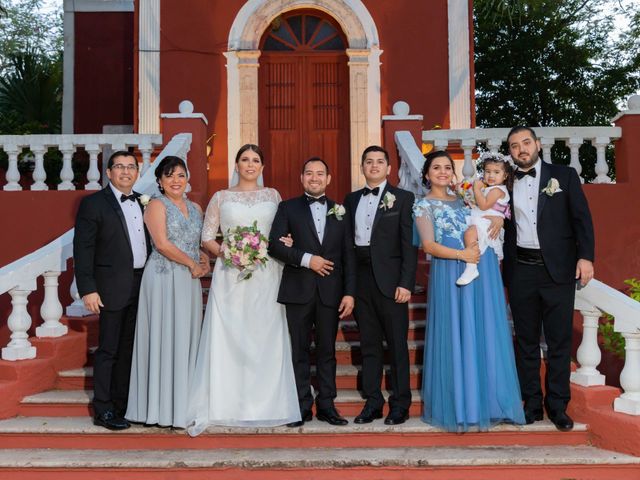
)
(368, 190)
(520, 174)
(124, 198)
(322, 199)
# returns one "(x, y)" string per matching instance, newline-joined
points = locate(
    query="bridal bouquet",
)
(244, 248)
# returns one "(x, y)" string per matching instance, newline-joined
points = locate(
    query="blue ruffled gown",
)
(469, 374)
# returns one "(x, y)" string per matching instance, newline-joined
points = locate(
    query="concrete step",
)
(347, 377)
(79, 432)
(323, 463)
(348, 330)
(63, 403)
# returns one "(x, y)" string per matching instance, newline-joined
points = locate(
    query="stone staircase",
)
(52, 436)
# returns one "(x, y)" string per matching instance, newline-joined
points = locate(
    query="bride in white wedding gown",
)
(244, 373)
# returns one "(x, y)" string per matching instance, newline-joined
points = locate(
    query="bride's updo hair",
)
(253, 148)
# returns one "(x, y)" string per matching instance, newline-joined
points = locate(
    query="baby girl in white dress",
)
(491, 199)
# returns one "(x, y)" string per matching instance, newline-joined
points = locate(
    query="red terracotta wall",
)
(103, 73)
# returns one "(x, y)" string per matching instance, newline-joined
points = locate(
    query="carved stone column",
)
(359, 114)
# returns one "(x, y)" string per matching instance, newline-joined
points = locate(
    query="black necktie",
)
(124, 198)
(520, 174)
(322, 199)
(368, 190)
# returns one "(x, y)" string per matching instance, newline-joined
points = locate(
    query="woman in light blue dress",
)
(170, 307)
(469, 375)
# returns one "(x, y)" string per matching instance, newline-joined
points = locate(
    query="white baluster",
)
(19, 322)
(441, 144)
(93, 174)
(146, 150)
(574, 145)
(39, 173)
(546, 143)
(469, 168)
(589, 352)
(602, 169)
(494, 144)
(629, 401)
(77, 308)
(66, 174)
(51, 309)
(13, 174)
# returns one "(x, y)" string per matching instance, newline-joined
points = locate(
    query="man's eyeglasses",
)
(121, 166)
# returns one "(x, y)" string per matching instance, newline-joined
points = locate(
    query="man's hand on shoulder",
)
(93, 302)
(584, 271)
(346, 306)
(402, 295)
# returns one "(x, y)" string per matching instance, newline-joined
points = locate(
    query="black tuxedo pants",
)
(301, 319)
(112, 360)
(378, 318)
(537, 302)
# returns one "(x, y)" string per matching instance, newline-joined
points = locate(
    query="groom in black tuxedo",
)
(382, 225)
(549, 246)
(110, 248)
(318, 284)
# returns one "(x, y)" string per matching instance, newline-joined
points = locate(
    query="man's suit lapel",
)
(113, 202)
(379, 211)
(304, 205)
(545, 176)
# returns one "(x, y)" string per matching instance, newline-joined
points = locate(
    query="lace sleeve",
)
(276, 196)
(211, 219)
(423, 215)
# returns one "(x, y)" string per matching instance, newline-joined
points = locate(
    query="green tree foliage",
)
(552, 62)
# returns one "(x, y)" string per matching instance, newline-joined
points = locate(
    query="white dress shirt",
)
(366, 214)
(319, 214)
(135, 226)
(525, 205)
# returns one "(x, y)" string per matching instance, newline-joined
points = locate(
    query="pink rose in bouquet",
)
(244, 248)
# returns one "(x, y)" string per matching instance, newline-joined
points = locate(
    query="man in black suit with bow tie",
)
(318, 284)
(382, 226)
(110, 248)
(549, 246)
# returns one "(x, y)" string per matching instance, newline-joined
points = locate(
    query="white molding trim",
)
(201, 116)
(364, 71)
(68, 67)
(99, 5)
(459, 69)
(149, 67)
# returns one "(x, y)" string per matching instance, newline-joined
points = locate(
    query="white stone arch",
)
(364, 71)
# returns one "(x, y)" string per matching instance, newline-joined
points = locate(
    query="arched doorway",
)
(303, 100)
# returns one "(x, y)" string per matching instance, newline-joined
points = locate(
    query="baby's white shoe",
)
(469, 275)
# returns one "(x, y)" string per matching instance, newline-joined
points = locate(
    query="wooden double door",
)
(304, 108)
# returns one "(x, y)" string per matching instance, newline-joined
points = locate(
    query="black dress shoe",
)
(368, 415)
(331, 415)
(396, 417)
(562, 421)
(109, 420)
(531, 416)
(306, 417)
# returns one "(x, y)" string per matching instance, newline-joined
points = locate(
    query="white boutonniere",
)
(552, 187)
(337, 211)
(387, 201)
(144, 199)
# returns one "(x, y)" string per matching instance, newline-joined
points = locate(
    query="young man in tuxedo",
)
(110, 248)
(382, 225)
(318, 284)
(549, 246)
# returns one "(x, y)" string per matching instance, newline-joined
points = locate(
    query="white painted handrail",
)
(573, 137)
(19, 277)
(13, 145)
(411, 162)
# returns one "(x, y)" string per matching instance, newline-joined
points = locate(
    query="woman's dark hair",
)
(253, 148)
(166, 168)
(508, 170)
(428, 160)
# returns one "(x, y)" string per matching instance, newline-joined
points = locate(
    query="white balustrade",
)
(19, 322)
(51, 309)
(588, 354)
(77, 308)
(13, 145)
(573, 137)
(629, 401)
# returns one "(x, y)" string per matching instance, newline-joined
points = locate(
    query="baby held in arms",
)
(487, 197)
